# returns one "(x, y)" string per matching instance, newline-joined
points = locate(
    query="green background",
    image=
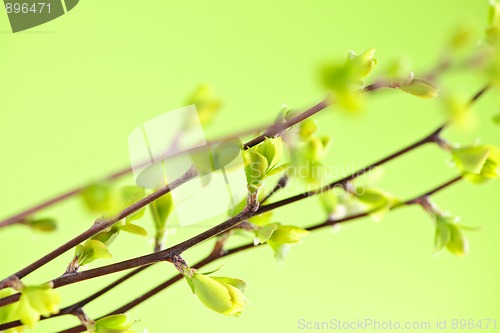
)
(74, 88)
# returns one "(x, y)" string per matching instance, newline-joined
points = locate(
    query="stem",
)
(102, 225)
(211, 258)
(14, 219)
(432, 137)
(167, 254)
(278, 128)
(19, 217)
(230, 223)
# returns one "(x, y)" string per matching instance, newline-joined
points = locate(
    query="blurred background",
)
(74, 88)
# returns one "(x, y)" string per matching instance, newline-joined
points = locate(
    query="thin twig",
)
(211, 258)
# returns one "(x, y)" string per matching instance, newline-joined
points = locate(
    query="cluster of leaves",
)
(307, 152)
(344, 80)
(262, 161)
(478, 163)
(449, 234)
(35, 301)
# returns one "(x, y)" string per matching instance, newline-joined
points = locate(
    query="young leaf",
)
(90, 251)
(478, 163)
(457, 244)
(261, 219)
(272, 150)
(207, 103)
(329, 201)
(470, 159)
(255, 167)
(44, 225)
(494, 14)
(225, 152)
(459, 112)
(220, 294)
(342, 82)
(288, 234)
(262, 234)
(160, 210)
(237, 283)
(37, 301)
(129, 195)
(442, 235)
(420, 88)
(307, 128)
(496, 119)
(361, 65)
(133, 229)
(108, 236)
(99, 198)
(377, 201)
(114, 324)
(280, 250)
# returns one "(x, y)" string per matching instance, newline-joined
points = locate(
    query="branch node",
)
(11, 282)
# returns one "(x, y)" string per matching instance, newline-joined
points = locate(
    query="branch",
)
(167, 254)
(211, 258)
(192, 173)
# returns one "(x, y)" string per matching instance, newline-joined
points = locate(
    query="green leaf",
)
(329, 201)
(114, 324)
(494, 14)
(207, 103)
(377, 201)
(442, 235)
(288, 234)
(90, 251)
(316, 148)
(307, 128)
(44, 225)
(255, 167)
(496, 119)
(458, 111)
(278, 170)
(420, 88)
(220, 294)
(272, 150)
(37, 301)
(160, 210)
(457, 244)
(261, 219)
(99, 197)
(470, 159)
(397, 68)
(361, 65)
(262, 234)
(461, 37)
(237, 283)
(129, 195)
(225, 152)
(133, 229)
(341, 80)
(280, 250)
(108, 236)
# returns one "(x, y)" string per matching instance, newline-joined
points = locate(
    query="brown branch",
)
(211, 258)
(167, 254)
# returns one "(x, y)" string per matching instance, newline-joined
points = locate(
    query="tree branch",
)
(211, 258)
